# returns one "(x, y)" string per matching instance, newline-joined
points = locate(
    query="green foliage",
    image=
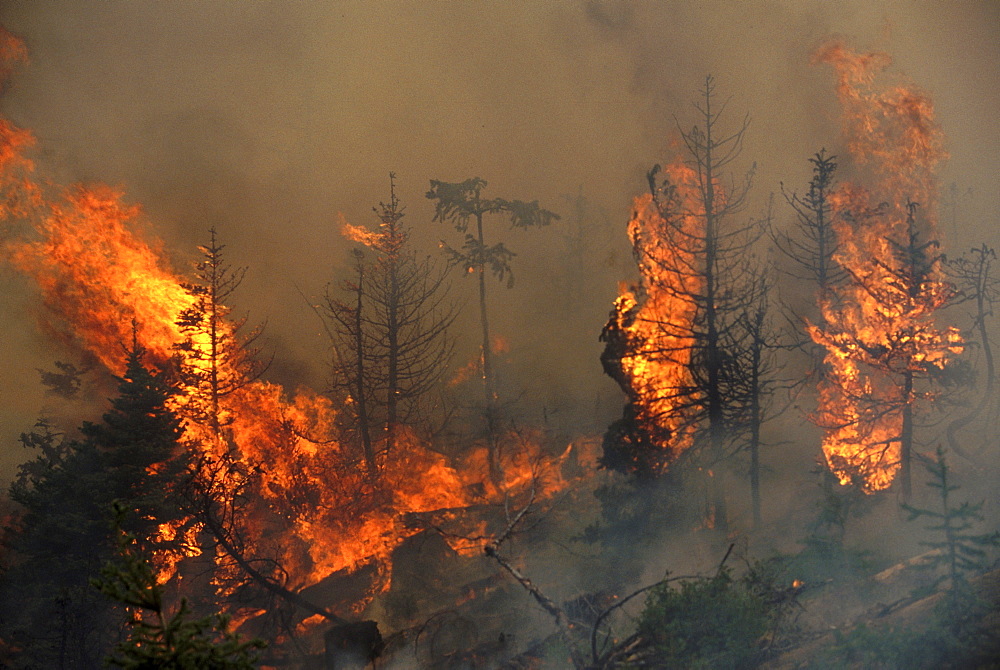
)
(958, 550)
(717, 622)
(945, 639)
(159, 640)
(957, 634)
(885, 648)
(47, 609)
(826, 556)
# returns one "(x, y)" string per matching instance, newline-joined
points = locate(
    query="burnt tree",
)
(676, 340)
(812, 243)
(976, 283)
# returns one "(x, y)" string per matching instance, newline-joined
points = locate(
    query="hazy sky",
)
(266, 119)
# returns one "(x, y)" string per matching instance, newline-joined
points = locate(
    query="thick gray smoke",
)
(266, 119)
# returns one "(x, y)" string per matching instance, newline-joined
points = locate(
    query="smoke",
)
(266, 119)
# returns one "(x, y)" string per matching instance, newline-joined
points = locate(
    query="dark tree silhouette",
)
(389, 327)
(695, 257)
(216, 359)
(462, 204)
(976, 283)
(812, 244)
(134, 455)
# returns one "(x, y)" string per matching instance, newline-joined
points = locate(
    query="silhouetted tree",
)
(216, 359)
(62, 536)
(812, 244)
(758, 344)
(695, 256)
(810, 250)
(390, 332)
(354, 356)
(976, 283)
(959, 550)
(462, 204)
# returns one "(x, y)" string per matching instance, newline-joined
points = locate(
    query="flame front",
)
(313, 509)
(96, 277)
(881, 337)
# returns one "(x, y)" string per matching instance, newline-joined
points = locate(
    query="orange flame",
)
(656, 317)
(96, 275)
(315, 510)
(881, 327)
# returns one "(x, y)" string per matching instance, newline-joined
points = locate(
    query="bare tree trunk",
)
(756, 416)
(364, 428)
(489, 382)
(392, 334)
(906, 435)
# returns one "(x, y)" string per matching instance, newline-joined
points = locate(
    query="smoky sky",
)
(266, 119)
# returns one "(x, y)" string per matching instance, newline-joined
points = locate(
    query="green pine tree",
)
(959, 550)
(62, 534)
(159, 639)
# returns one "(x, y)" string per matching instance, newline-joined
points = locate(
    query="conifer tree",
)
(134, 455)
(463, 204)
(389, 326)
(959, 550)
(159, 638)
(216, 357)
(677, 343)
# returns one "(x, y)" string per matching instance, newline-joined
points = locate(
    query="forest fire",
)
(274, 461)
(881, 337)
(245, 430)
(650, 326)
(97, 278)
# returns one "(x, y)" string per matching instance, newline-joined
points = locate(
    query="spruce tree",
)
(62, 535)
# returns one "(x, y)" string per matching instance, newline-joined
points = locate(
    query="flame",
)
(311, 506)
(95, 275)
(358, 234)
(881, 330)
(655, 318)
(18, 192)
(314, 509)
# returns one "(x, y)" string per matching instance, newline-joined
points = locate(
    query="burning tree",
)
(676, 341)
(18, 193)
(882, 344)
(391, 338)
(215, 361)
(460, 204)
